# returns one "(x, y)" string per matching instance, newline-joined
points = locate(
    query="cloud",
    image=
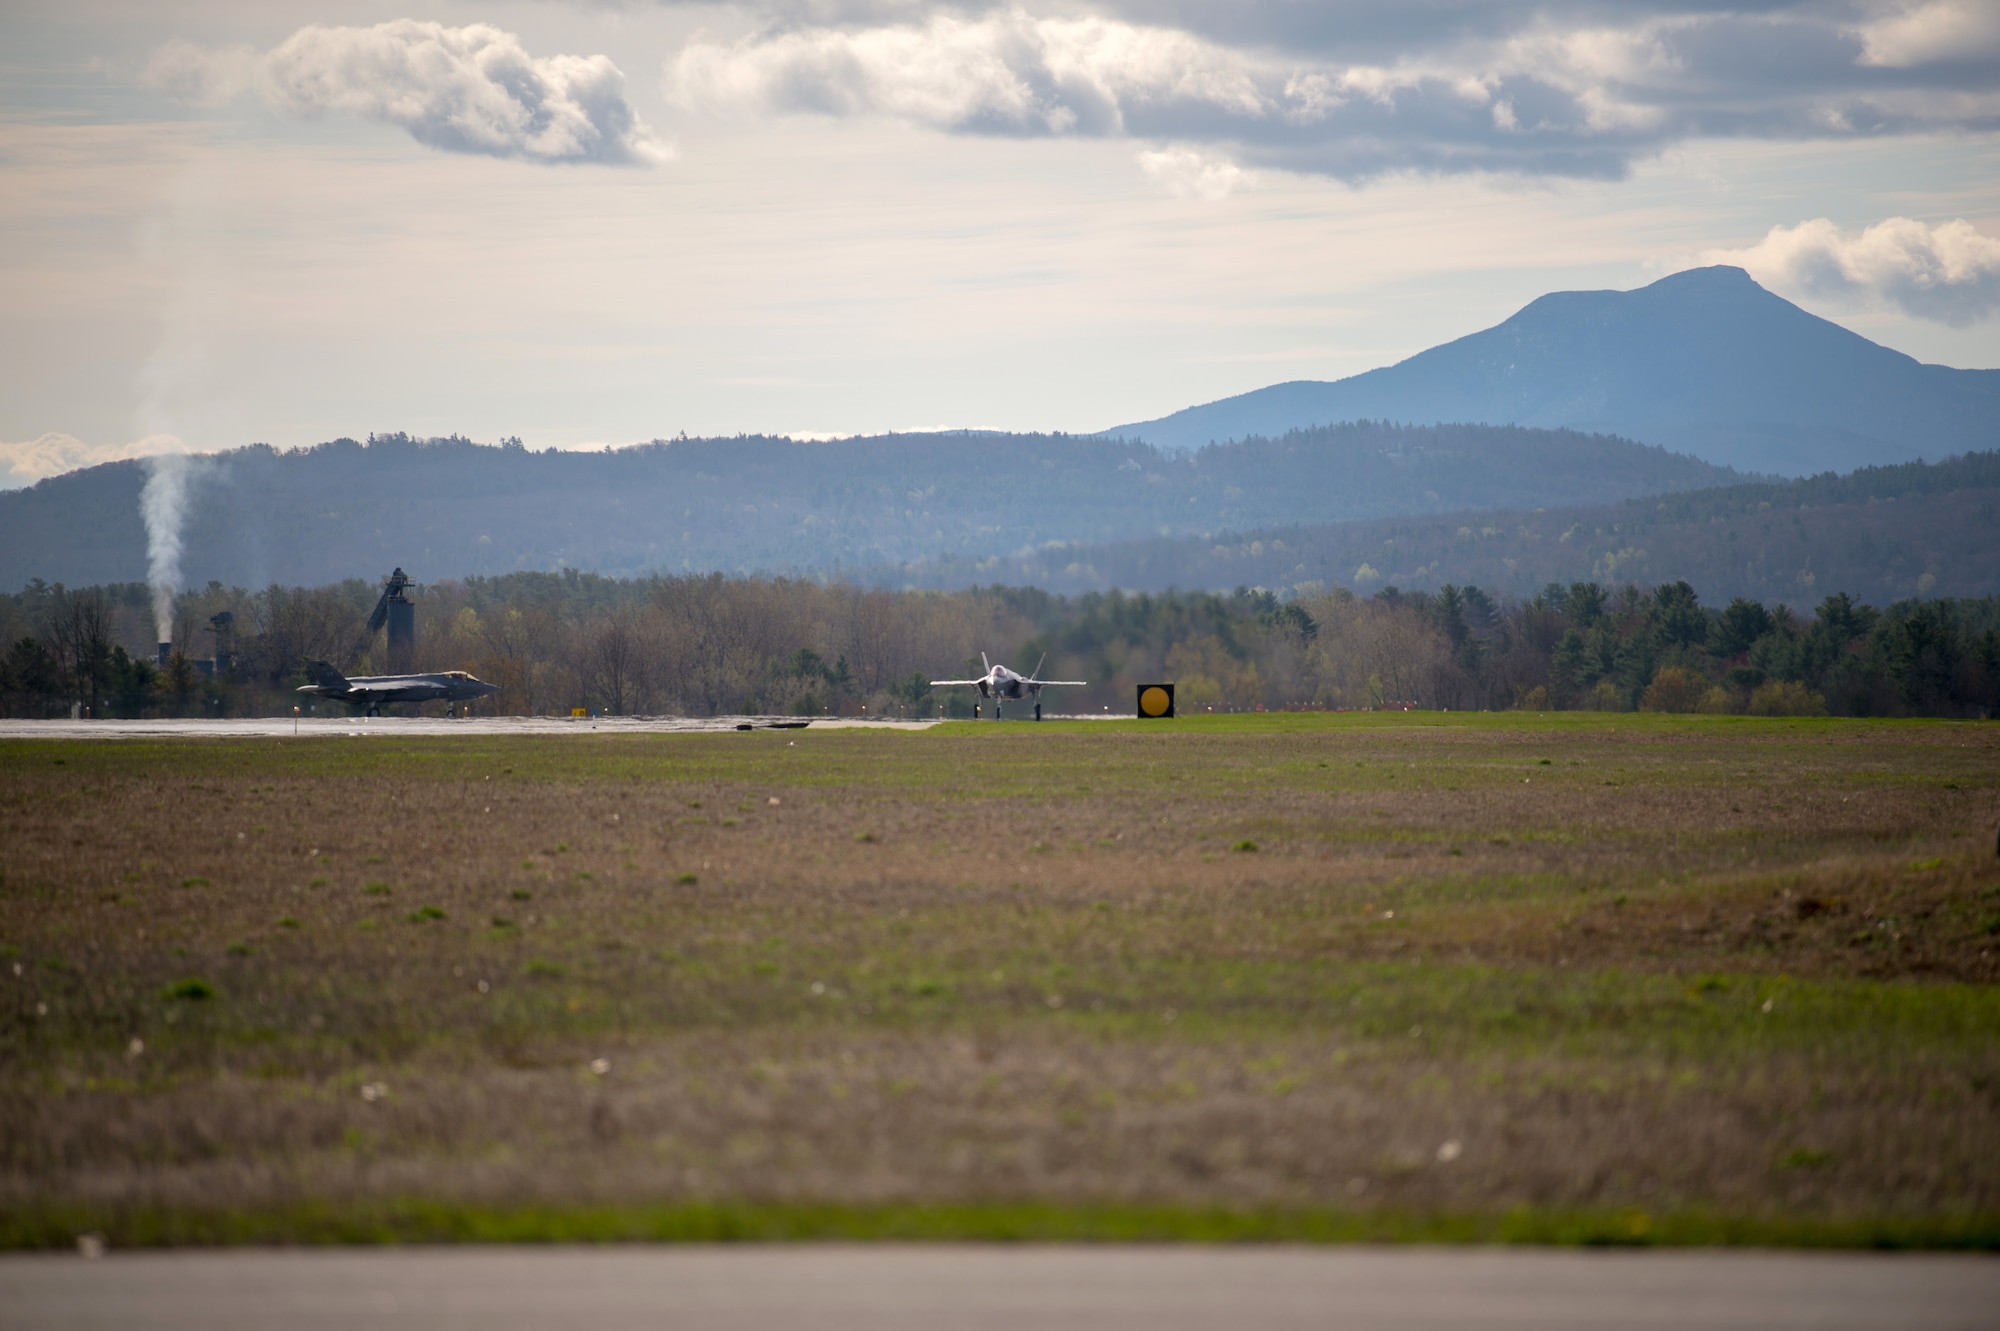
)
(1193, 174)
(1005, 73)
(471, 90)
(201, 75)
(1921, 34)
(1949, 272)
(1341, 90)
(1016, 74)
(53, 454)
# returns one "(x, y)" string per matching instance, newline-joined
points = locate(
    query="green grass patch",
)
(1215, 959)
(418, 1221)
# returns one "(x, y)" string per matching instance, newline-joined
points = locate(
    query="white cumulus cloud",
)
(1943, 30)
(1008, 73)
(1356, 90)
(53, 454)
(1011, 72)
(1193, 174)
(472, 90)
(1949, 272)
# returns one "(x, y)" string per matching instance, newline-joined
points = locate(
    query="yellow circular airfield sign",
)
(1156, 700)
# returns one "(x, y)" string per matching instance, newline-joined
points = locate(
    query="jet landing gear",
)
(373, 710)
(1038, 711)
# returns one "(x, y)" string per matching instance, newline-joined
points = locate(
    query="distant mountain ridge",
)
(1883, 534)
(452, 508)
(1704, 362)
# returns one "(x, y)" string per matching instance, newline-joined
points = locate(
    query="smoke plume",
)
(163, 504)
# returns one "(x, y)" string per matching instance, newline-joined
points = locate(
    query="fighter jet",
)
(371, 691)
(1000, 683)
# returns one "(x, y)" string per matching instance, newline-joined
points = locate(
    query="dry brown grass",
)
(1666, 963)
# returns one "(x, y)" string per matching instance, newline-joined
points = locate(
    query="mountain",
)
(1882, 534)
(452, 508)
(1704, 362)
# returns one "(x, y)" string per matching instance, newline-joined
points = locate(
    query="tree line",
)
(711, 645)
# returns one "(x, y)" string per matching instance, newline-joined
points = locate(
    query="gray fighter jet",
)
(999, 683)
(371, 691)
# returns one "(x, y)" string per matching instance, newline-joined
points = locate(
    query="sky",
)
(589, 224)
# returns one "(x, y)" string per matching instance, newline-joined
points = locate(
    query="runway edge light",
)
(1155, 701)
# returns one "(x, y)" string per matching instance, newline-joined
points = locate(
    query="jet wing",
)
(937, 683)
(1065, 683)
(345, 692)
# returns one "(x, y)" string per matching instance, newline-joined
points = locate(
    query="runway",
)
(358, 727)
(894, 1288)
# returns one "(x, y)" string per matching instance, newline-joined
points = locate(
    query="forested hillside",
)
(450, 508)
(1883, 533)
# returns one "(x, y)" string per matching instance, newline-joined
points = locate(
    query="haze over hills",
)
(451, 508)
(1882, 534)
(1704, 362)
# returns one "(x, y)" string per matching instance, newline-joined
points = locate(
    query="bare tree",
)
(1374, 653)
(611, 659)
(516, 640)
(293, 624)
(80, 631)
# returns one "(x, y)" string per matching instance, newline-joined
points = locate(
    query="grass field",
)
(1559, 978)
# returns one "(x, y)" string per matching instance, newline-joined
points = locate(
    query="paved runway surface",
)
(894, 1288)
(399, 726)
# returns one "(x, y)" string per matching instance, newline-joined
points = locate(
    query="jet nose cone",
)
(485, 688)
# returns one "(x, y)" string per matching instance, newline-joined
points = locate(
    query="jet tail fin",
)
(988, 664)
(325, 675)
